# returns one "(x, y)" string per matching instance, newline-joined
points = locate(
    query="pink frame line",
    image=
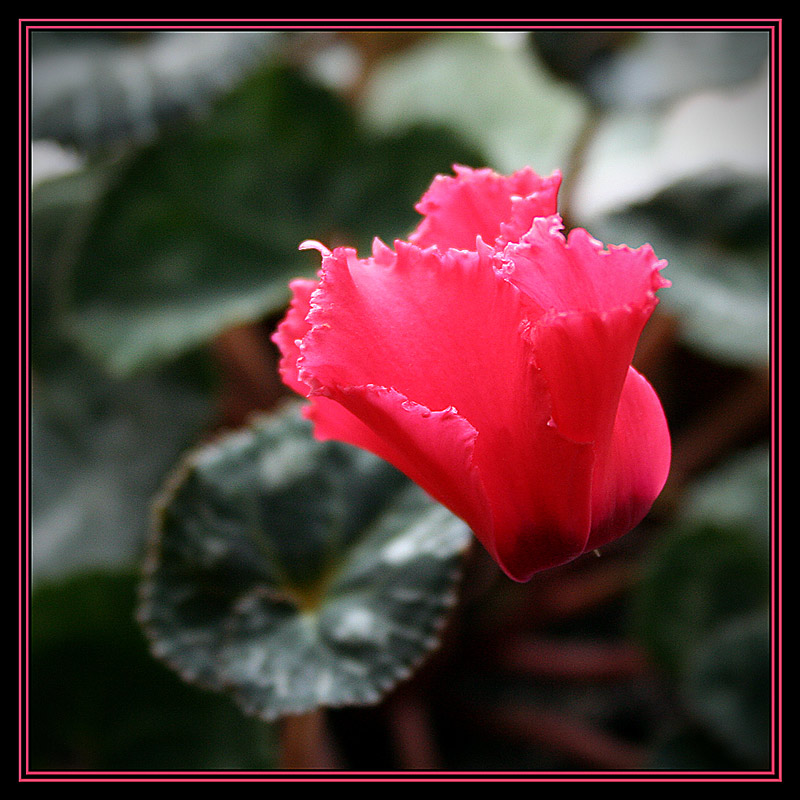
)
(776, 514)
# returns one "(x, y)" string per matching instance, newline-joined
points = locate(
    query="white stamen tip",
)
(313, 244)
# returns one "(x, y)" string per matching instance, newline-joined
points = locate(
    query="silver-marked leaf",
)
(295, 573)
(94, 88)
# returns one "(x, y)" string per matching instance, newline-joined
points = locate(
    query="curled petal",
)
(395, 428)
(576, 273)
(489, 358)
(380, 333)
(482, 203)
(631, 472)
(588, 307)
(584, 357)
(313, 244)
(290, 333)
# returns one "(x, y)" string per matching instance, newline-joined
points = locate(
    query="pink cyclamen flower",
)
(489, 358)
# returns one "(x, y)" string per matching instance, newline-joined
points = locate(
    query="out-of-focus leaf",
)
(576, 55)
(59, 206)
(492, 90)
(728, 686)
(297, 574)
(697, 579)
(49, 159)
(659, 66)
(99, 450)
(92, 88)
(376, 187)
(637, 153)
(199, 229)
(691, 748)
(736, 494)
(714, 231)
(98, 700)
(701, 610)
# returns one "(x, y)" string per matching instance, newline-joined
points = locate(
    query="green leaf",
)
(728, 686)
(491, 90)
(698, 577)
(378, 184)
(691, 748)
(659, 66)
(98, 700)
(59, 206)
(297, 574)
(736, 494)
(713, 230)
(99, 451)
(92, 88)
(199, 230)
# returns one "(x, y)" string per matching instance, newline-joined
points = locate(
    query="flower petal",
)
(489, 359)
(576, 273)
(632, 471)
(396, 322)
(380, 335)
(538, 483)
(433, 448)
(291, 330)
(584, 358)
(482, 203)
(592, 305)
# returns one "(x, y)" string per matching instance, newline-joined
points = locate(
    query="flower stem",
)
(305, 742)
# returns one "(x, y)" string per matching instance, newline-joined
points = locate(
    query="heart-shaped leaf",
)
(295, 573)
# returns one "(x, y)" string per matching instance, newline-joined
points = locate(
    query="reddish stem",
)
(572, 660)
(305, 743)
(249, 366)
(412, 733)
(560, 733)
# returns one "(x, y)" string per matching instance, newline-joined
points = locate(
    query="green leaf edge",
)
(173, 481)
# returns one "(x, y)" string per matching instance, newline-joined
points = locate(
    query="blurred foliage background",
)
(174, 174)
